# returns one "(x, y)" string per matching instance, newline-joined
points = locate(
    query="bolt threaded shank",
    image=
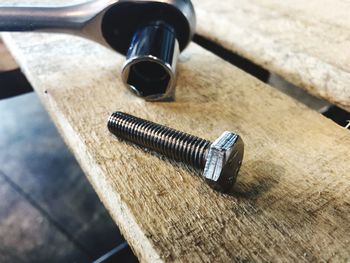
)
(167, 141)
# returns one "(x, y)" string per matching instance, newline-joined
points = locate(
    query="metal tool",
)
(150, 33)
(220, 160)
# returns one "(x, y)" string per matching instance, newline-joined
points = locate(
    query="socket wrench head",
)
(224, 161)
(151, 34)
(150, 67)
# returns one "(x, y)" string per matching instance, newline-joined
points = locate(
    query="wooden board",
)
(306, 42)
(292, 200)
(6, 60)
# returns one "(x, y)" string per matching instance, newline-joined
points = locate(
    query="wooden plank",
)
(307, 43)
(292, 199)
(6, 60)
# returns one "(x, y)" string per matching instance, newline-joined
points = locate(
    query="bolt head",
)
(224, 160)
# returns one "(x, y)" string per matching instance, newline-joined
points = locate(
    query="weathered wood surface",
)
(306, 42)
(292, 200)
(6, 60)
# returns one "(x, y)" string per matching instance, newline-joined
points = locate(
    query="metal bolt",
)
(220, 161)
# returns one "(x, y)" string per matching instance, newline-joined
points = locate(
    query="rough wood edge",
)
(119, 211)
(7, 61)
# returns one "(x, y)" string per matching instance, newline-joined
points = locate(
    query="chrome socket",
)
(150, 67)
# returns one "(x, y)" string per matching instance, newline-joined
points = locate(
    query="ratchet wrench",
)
(151, 34)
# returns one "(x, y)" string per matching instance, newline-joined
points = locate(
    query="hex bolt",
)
(220, 161)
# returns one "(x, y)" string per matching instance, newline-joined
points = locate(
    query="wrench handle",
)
(66, 19)
(19, 19)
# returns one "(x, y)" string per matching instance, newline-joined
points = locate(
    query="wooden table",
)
(292, 199)
(307, 43)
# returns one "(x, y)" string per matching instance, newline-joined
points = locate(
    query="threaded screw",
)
(220, 160)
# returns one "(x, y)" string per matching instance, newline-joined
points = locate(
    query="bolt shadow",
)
(256, 178)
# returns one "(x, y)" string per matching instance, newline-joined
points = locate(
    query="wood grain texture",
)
(292, 199)
(307, 43)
